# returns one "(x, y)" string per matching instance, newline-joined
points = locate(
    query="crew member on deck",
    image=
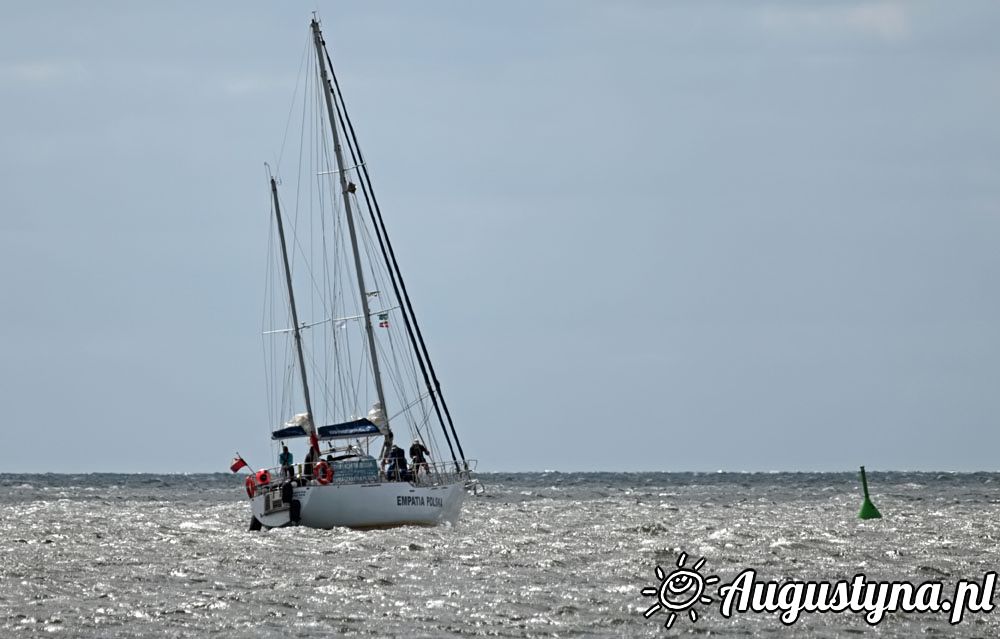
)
(397, 464)
(386, 449)
(307, 468)
(417, 457)
(286, 460)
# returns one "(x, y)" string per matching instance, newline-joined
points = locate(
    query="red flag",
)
(237, 464)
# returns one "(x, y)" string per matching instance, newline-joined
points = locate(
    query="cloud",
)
(246, 84)
(42, 72)
(884, 20)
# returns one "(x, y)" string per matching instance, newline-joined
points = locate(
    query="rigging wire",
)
(268, 275)
(392, 265)
(346, 388)
(291, 107)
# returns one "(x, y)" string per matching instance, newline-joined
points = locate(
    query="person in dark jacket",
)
(418, 457)
(311, 457)
(397, 464)
(286, 460)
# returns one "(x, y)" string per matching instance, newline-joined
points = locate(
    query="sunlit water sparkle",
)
(540, 555)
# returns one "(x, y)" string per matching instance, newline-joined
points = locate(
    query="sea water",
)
(539, 555)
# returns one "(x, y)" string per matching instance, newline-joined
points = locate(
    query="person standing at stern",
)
(418, 456)
(286, 460)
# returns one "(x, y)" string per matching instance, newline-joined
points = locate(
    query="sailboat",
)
(346, 383)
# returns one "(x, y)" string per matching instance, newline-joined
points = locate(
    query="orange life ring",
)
(251, 487)
(324, 474)
(263, 477)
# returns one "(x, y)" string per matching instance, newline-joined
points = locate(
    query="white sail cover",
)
(377, 416)
(301, 420)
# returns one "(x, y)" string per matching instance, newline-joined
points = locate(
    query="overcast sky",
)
(638, 235)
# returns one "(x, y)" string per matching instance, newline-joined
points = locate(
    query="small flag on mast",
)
(383, 320)
(237, 464)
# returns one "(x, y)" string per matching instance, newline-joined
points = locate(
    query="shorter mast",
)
(310, 426)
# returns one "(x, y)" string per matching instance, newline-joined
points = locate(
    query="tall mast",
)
(395, 275)
(346, 189)
(295, 316)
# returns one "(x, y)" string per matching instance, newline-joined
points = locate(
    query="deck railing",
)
(437, 473)
(368, 471)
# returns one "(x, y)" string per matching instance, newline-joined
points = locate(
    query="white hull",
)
(377, 505)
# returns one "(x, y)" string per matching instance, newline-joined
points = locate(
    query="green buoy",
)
(868, 509)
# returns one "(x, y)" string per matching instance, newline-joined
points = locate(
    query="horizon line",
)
(550, 471)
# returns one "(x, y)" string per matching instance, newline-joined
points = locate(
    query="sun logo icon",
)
(679, 591)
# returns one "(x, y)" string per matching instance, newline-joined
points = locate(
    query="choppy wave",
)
(540, 555)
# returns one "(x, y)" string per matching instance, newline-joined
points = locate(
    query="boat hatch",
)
(273, 502)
